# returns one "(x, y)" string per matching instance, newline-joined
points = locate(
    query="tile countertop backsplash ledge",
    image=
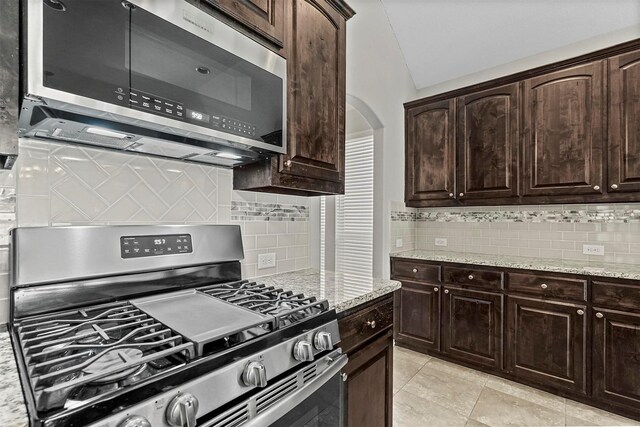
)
(591, 268)
(342, 291)
(14, 411)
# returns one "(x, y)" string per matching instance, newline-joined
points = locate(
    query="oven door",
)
(310, 397)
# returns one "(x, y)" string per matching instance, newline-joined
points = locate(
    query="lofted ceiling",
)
(444, 40)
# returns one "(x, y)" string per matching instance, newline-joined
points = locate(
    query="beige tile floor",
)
(431, 392)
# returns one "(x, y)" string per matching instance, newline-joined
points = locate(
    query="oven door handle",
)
(279, 409)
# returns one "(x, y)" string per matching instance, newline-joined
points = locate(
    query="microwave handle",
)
(278, 410)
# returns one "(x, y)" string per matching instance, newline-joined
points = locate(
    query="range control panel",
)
(144, 246)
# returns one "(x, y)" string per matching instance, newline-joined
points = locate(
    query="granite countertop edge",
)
(618, 271)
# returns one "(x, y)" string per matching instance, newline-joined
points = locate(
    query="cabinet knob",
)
(415, 270)
(614, 186)
(451, 195)
(371, 323)
(344, 377)
(436, 289)
(599, 315)
(596, 187)
(471, 277)
(543, 286)
(580, 312)
(446, 291)
(461, 194)
(288, 163)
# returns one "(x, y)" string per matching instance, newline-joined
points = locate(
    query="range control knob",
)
(322, 341)
(255, 375)
(303, 351)
(135, 421)
(182, 410)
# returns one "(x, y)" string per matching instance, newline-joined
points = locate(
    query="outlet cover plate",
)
(440, 241)
(266, 260)
(398, 243)
(593, 250)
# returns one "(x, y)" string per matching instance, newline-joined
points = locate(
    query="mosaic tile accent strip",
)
(609, 214)
(403, 216)
(258, 211)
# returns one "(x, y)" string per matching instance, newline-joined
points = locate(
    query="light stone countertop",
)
(342, 291)
(588, 268)
(13, 412)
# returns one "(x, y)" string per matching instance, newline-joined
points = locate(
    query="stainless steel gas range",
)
(138, 326)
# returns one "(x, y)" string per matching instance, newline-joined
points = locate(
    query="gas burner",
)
(288, 308)
(82, 354)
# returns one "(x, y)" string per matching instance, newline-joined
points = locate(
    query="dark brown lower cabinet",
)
(616, 358)
(546, 342)
(369, 384)
(367, 338)
(472, 326)
(418, 323)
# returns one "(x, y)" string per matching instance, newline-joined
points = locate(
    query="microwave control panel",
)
(154, 104)
(145, 246)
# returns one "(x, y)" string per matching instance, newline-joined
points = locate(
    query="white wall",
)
(378, 77)
(566, 52)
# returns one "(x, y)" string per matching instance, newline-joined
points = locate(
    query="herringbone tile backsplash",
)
(56, 184)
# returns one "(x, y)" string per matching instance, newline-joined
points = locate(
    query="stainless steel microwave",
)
(156, 77)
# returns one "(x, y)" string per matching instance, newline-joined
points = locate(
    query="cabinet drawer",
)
(548, 286)
(416, 270)
(361, 326)
(616, 295)
(486, 279)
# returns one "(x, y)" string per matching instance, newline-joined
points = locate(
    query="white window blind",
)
(354, 212)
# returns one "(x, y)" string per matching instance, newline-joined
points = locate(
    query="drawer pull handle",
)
(371, 323)
(415, 270)
(446, 291)
(436, 289)
(471, 277)
(543, 286)
(580, 312)
(599, 315)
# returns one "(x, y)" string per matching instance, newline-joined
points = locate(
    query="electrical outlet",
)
(440, 241)
(593, 250)
(398, 243)
(266, 260)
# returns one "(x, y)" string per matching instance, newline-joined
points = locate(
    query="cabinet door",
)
(418, 315)
(488, 137)
(430, 152)
(472, 326)
(316, 72)
(369, 385)
(563, 119)
(546, 342)
(265, 17)
(616, 357)
(624, 122)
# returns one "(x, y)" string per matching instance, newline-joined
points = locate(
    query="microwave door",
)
(180, 75)
(85, 50)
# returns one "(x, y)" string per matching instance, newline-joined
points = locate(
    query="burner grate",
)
(287, 307)
(80, 354)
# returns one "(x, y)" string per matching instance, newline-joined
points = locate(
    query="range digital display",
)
(144, 246)
(196, 115)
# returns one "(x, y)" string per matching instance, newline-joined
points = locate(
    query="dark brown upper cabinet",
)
(567, 132)
(263, 17)
(546, 342)
(315, 45)
(563, 143)
(624, 122)
(430, 152)
(488, 132)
